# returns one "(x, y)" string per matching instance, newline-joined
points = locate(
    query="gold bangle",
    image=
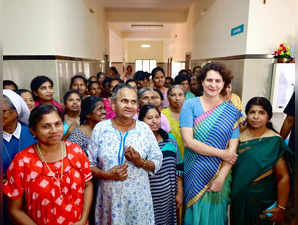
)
(144, 164)
(281, 207)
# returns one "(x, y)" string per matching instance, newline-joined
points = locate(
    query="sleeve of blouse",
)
(14, 186)
(154, 153)
(236, 133)
(86, 168)
(186, 114)
(93, 147)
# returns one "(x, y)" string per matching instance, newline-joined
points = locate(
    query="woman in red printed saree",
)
(50, 181)
(210, 133)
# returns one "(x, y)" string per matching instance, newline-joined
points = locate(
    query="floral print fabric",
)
(130, 201)
(45, 202)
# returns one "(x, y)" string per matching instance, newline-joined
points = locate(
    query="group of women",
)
(157, 159)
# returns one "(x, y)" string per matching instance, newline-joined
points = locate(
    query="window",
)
(176, 67)
(146, 65)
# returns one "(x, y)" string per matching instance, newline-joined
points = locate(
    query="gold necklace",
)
(52, 174)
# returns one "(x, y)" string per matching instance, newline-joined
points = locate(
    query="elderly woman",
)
(122, 153)
(16, 134)
(42, 88)
(176, 96)
(159, 79)
(50, 181)
(72, 108)
(210, 133)
(92, 112)
(146, 97)
(167, 183)
(260, 175)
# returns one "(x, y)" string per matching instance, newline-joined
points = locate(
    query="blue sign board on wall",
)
(237, 30)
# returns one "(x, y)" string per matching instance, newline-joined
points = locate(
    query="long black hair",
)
(142, 114)
(265, 103)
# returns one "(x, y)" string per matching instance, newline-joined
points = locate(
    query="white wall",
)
(28, 28)
(212, 30)
(78, 32)
(116, 46)
(56, 27)
(270, 24)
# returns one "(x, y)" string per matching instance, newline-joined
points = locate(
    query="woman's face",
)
(159, 79)
(99, 113)
(257, 117)
(45, 91)
(146, 98)
(152, 118)
(126, 103)
(49, 130)
(9, 116)
(28, 98)
(79, 85)
(194, 85)
(213, 83)
(114, 83)
(185, 85)
(156, 101)
(101, 78)
(95, 90)
(73, 103)
(176, 98)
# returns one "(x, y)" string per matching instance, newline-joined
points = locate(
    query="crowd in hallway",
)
(145, 148)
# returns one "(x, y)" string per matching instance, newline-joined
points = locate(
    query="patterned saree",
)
(214, 128)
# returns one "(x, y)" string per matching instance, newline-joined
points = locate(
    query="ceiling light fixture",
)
(146, 26)
(145, 46)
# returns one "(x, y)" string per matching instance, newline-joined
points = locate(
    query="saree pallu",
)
(214, 128)
(249, 197)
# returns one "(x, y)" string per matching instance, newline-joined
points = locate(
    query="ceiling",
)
(121, 14)
(147, 4)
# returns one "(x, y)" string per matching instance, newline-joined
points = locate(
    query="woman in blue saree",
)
(260, 175)
(210, 133)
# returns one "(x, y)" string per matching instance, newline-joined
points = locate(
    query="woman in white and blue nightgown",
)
(122, 153)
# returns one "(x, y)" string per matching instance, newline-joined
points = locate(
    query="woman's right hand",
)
(119, 172)
(229, 156)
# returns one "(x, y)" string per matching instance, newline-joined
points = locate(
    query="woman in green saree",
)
(260, 176)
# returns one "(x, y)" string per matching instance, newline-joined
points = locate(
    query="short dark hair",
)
(180, 78)
(78, 77)
(99, 74)
(38, 81)
(10, 82)
(221, 69)
(130, 80)
(142, 114)
(159, 92)
(140, 75)
(196, 67)
(68, 93)
(117, 88)
(38, 112)
(157, 69)
(183, 72)
(21, 91)
(114, 69)
(87, 107)
(171, 79)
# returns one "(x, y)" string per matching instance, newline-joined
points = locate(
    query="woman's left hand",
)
(133, 156)
(278, 214)
(217, 184)
(179, 199)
